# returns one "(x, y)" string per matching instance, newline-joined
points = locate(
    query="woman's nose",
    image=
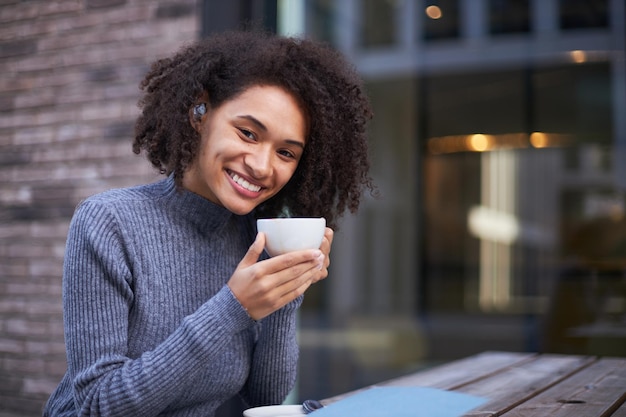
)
(259, 163)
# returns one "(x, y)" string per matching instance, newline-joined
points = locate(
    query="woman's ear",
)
(198, 110)
(196, 113)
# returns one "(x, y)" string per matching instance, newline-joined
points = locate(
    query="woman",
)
(171, 307)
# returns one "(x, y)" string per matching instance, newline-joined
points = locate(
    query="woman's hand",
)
(266, 286)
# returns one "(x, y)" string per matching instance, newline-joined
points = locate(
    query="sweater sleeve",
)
(275, 361)
(97, 299)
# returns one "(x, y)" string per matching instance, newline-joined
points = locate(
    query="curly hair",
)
(334, 169)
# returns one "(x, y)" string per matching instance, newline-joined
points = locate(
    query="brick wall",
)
(69, 71)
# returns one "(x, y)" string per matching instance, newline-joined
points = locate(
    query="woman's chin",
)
(240, 208)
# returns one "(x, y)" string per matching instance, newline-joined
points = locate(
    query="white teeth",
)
(245, 184)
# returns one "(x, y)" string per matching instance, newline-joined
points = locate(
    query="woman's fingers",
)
(269, 296)
(281, 279)
(264, 287)
(296, 276)
(252, 256)
(328, 236)
(325, 247)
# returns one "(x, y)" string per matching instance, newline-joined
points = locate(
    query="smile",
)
(245, 184)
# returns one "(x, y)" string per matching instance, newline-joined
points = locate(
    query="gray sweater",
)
(151, 327)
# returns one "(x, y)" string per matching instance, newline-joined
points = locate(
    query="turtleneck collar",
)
(197, 209)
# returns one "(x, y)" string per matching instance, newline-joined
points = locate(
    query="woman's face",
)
(250, 147)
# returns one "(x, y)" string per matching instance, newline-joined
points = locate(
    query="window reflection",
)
(577, 14)
(509, 16)
(588, 301)
(378, 23)
(516, 129)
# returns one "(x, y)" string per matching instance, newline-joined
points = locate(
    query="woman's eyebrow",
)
(253, 120)
(295, 142)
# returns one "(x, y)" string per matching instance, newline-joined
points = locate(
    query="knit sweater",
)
(151, 327)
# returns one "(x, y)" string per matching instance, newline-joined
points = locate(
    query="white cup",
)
(288, 234)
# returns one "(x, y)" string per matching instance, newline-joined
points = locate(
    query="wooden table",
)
(530, 385)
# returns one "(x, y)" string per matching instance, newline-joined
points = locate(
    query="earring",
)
(199, 110)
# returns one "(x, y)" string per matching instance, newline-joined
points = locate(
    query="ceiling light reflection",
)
(578, 56)
(479, 142)
(539, 139)
(482, 143)
(434, 12)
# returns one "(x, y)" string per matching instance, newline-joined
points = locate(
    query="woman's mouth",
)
(244, 184)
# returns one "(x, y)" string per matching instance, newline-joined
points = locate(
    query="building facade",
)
(70, 72)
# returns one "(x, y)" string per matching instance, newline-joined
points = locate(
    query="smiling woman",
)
(249, 149)
(331, 174)
(171, 306)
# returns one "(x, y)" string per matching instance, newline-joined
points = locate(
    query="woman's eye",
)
(248, 134)
(287, 154)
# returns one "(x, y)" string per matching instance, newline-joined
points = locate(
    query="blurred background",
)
(498, 146)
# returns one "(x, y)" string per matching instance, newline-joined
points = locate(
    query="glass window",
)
(475, 103)
(522, 210)
(378, 23)
(577, 14)
(359, 326)
(440, 19)
(576, 102)
(509, 16)
(467, 114)
(501, 224)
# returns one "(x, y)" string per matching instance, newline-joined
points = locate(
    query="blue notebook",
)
(402, 402)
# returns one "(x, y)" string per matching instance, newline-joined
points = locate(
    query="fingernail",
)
(320, 265)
